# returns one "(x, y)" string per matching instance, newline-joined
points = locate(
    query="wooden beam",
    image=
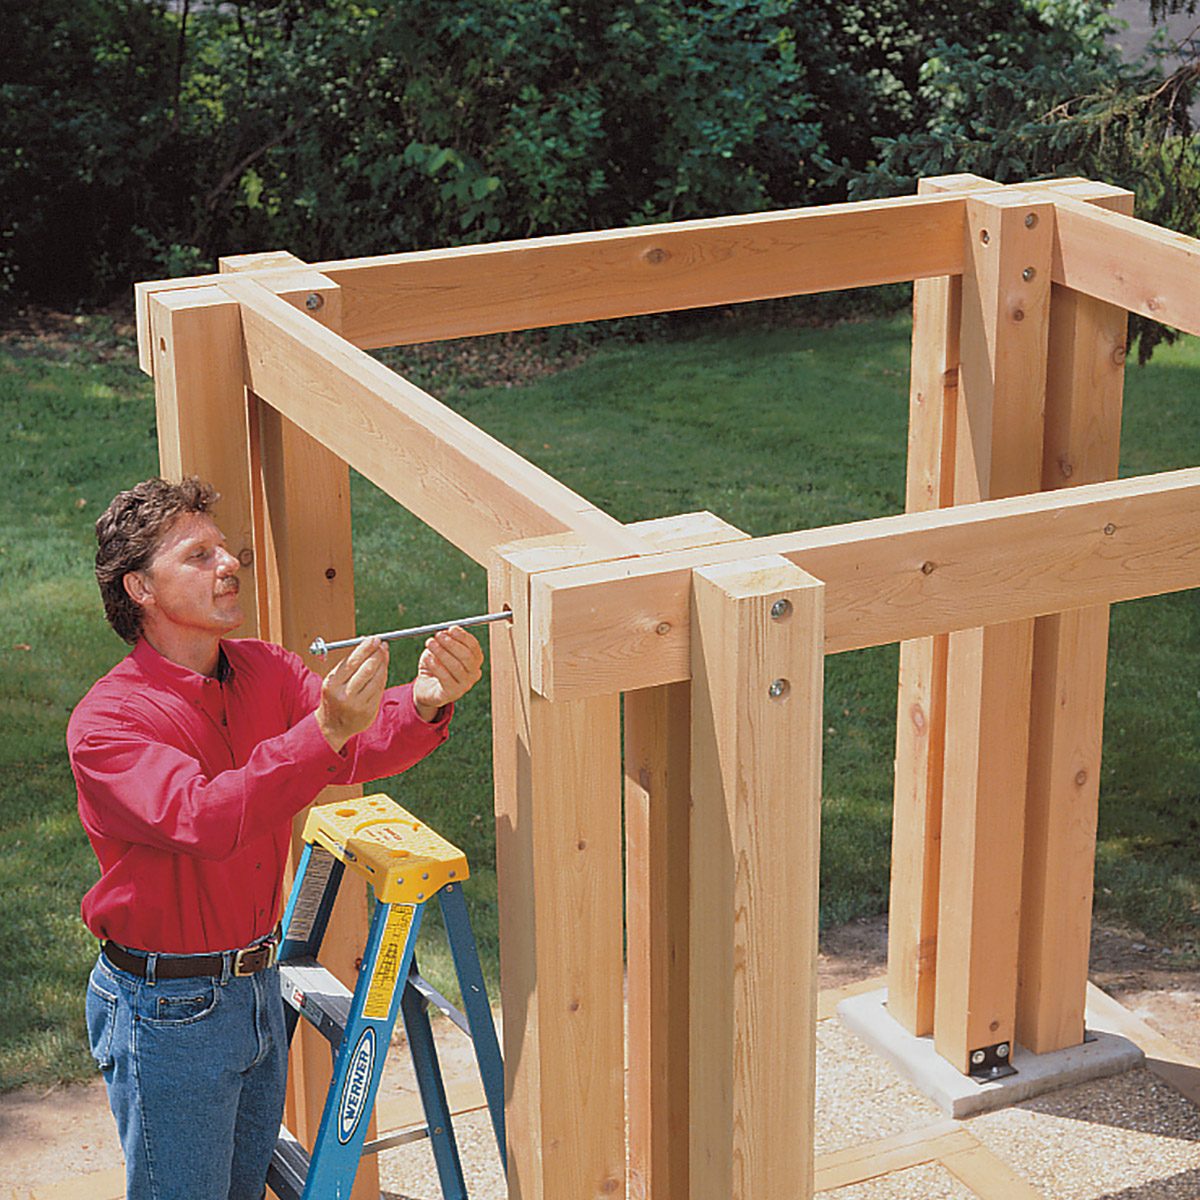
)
(998, 452)
(921, 709)
(900, 1152)
(1132, 264)
(1082, 445)
(457, 479)
(466, 291)
(200, 409)
(657, 724)
(436, 294)
(304, 562)
(558, 859)
(624, 624)
(755, 833)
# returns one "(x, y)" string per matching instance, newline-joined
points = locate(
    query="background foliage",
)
(145, 137)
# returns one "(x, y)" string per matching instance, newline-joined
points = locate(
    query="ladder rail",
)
(406, 864)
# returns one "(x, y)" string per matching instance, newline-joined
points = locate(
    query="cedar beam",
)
(755, 830)
(921, 708)
(431, 295)
(200, 410)
(623, 625)
(1116, 258)
(304, 562)
(998, 452)
(457, 479)
(658, 866)
(1082, 445)
(557, 771)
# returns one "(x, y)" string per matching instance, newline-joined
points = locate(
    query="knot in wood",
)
(917, 713)
(928, 568)
(1118, 356)
(1018, 314)
(1080, 778)
(1064, 465)
(655, 255)
(663, 627)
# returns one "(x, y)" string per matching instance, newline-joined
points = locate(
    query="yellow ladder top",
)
(405, 861)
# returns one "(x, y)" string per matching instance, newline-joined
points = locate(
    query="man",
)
(191, 757)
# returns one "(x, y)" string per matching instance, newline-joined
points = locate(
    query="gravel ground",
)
(1126, 1138)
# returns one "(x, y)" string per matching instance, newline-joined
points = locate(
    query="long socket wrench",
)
(321, 647)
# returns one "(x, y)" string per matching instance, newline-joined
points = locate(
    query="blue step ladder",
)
(407, 864)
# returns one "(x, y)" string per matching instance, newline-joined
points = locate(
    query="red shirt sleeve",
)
(136, 788)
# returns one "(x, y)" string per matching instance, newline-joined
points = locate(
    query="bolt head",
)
(778, 689)
(1028, 274)
(780, 609)
(1030, 220)
(1002, 1050)
(977, 1057)
(314, 301)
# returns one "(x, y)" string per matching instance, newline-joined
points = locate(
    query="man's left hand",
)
(450, 666)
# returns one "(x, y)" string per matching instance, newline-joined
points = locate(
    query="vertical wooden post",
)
(558, 860)
(756, 753)
(1082, 444)
(200, 406)
(305, 568)
(921, 711)
(657, 868)
(1002, 385)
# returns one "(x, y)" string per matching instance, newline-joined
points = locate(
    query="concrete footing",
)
(960, 1096)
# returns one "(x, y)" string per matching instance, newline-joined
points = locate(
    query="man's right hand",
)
(351, 693)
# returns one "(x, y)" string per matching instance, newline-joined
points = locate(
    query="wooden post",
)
(305, 567)
(756, 754)
(200, 408)
(558, 862)
(1082, 444)
(921, 711)
(657, 868)
(1002, 385)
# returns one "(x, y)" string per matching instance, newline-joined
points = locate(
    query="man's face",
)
(191, 584)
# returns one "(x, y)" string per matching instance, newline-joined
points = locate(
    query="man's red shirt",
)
(188, 785)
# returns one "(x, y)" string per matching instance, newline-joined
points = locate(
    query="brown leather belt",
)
(174, 966)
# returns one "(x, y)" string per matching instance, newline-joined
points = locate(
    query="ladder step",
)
(289, 1167)
(397, 1137)
(434, 997)
(318, 995)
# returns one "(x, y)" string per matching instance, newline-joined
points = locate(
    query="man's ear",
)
(137, 589)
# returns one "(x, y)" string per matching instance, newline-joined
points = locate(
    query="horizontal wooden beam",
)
(1123, 261)
(472, 489)
(464, 291)
(473, 290)
(620, 626)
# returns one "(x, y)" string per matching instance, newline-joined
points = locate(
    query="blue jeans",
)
(196, 1071)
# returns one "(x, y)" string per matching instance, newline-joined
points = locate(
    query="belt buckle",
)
(272, 954)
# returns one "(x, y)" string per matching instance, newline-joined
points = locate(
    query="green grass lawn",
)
(772, 429)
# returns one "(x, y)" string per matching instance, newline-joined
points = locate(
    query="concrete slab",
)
(960, 1096)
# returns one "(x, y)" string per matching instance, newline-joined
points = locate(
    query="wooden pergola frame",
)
(995, 581)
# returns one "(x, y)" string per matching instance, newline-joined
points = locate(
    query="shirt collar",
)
(188, 683)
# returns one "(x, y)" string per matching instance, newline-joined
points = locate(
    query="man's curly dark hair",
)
(129, 532)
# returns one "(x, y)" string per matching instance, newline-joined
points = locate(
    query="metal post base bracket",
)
(990, 1063)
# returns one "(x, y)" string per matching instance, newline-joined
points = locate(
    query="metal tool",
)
(321, 647)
